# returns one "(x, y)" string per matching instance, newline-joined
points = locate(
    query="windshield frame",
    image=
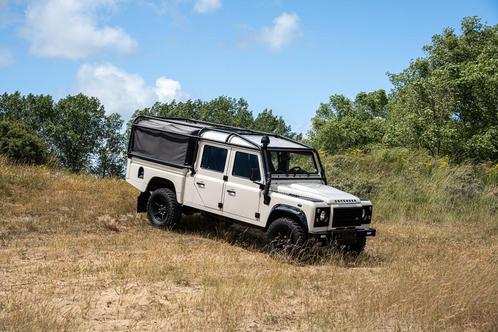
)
(319, 174)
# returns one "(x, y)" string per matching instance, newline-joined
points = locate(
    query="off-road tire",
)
(162, 208)
(285, 235)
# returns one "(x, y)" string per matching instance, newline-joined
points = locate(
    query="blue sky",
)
(286, 55)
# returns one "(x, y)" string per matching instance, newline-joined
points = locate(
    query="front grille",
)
(342, 217)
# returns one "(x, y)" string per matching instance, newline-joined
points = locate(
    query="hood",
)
(319, 191)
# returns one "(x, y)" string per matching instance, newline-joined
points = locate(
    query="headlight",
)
(366, 214)
(323, 215)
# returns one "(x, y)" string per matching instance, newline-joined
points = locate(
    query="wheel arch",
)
(158, 182)
(284, 210)
(154, 183)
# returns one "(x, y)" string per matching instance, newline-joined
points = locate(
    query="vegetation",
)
(21, 144)
(74, 255)
(224, 110)
(445, 103)
(415, 187)
(76, 130)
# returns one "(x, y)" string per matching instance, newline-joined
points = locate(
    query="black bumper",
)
(344, 235)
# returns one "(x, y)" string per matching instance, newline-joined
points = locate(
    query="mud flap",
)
(142, 201)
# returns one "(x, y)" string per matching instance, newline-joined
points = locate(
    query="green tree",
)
(111, 148)
(76, 130)
(228, 111)
(341, 123)
(266, 121)
(35, 111)
(18, 142)
(222, 110)
(447, 101)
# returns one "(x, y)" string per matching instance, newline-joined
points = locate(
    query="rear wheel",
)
(162, 208)
(285, 235)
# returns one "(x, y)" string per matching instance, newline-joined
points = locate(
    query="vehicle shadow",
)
(252, 239)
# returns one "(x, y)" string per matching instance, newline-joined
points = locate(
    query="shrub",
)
(19, 143)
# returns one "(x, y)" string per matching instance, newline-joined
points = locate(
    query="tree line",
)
(445, 102)
(75, 133)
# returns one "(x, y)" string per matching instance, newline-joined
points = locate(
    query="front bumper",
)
(344, 234)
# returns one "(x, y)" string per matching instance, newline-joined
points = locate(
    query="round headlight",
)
(323, 215)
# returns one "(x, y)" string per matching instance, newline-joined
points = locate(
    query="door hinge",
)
(256, 215)
(225, 177)
(220, 205)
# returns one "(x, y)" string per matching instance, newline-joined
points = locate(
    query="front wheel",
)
(285, 235)
(162, 208)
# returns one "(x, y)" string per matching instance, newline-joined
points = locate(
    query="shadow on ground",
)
(252, 239)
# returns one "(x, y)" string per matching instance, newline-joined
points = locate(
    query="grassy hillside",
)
(409, 186)
(74, 255)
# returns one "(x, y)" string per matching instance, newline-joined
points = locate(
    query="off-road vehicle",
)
(256, 178)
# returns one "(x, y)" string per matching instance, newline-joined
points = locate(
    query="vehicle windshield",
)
(292, 162)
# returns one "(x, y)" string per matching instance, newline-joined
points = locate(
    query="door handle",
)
(231, 192)
(201, 184)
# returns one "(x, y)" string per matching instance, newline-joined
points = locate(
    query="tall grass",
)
(413, 187)
(37, 198)
(75, 256)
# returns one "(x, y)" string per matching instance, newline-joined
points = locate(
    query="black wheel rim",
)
(159, 209)
(281, 239)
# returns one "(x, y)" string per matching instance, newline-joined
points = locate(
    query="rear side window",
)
(244, 163)
(214, 158)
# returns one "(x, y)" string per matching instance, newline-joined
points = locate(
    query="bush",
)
(21, 144)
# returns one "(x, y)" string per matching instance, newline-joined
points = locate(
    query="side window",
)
(244, 163)
(214, 158)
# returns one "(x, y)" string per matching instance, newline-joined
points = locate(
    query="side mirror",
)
(254, 174)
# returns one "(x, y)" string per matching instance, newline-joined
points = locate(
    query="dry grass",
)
(73, 255)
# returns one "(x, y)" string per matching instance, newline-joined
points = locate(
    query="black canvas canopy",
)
(166, 142)
(173, 141)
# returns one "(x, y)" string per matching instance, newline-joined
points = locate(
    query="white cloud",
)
(205, 6)
(284, 30)
(68, 29)
(171, 8)
(123, 92)
(6, 57)
(167, 89)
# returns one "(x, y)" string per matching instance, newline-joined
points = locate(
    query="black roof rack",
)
(231, 130)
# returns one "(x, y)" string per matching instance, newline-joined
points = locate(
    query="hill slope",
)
(74, 255)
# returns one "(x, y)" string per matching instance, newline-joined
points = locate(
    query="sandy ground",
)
(142, 278)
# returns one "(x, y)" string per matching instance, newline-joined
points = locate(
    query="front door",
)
(242, 196)
(208, 180)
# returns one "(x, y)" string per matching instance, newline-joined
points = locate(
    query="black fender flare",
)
(153, 184)
(280, 210)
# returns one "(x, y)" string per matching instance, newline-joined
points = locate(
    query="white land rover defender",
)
(259, 179)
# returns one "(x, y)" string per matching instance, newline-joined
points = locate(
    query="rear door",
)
(208, 180)
(242, 196)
